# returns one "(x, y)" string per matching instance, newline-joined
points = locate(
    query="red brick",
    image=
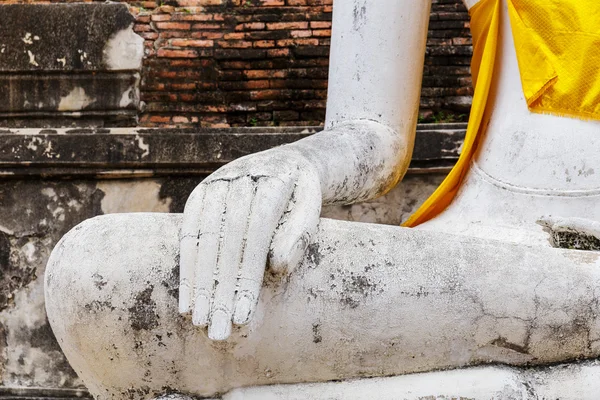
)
(207, 35)
(287, 25)
(177, 53)
(180, 119)
(272, 3)
(278, 53)
(320, 24)
(191, 43)
(159, 119)
(184, 26)
(264, 43)
(142, 28)
(233, 36)
(234, 44)
(297, 42)
(193, 3)
(192, 17)
(267, 73)
(161, 17)
(206, 26)
(250, 26)
(183, 86)
(322, 32)
(149, 35)
(301, 34)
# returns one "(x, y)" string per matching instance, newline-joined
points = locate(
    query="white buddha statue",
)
(250, 295)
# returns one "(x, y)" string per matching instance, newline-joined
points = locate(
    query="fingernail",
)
(243, 308)
(220, 326)
(201, 309)
(184, 299)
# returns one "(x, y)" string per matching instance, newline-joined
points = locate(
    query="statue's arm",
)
(265, 207)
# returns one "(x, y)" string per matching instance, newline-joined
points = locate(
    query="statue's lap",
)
(369, 300)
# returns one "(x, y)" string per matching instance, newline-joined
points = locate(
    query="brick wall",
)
(224, 63)
(447, 90)
(235, 63)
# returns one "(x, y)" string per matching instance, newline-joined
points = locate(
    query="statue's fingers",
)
(298, 226)
(237, 211)
(268, 206)
(187, 246)
(207, 250)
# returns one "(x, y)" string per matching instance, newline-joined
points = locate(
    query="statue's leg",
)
(369, 300)
(575, 381)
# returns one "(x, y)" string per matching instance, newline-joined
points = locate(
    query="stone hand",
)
(259, 208)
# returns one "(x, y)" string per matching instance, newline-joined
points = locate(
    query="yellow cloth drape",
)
(558, 51)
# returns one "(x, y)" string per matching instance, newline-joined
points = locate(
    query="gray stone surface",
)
(90, 151)
(68, 64)
(60, 37)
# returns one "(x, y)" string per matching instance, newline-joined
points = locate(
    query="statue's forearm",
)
(357, 161)
(376, 64)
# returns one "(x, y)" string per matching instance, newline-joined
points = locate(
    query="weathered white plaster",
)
(22, 360)
(121, 196)
(124, 50)
(32, 58)
(126, 98)
(565, 382)
(142, 145)
(376, 62)
(77, 99)
(27, 39)
(418, 301)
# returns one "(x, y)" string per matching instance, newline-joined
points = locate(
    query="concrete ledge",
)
(135, 152)
(33, 393)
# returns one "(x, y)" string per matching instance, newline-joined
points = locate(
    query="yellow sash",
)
(558, 51)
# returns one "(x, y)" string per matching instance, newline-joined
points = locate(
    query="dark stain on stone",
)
(170, 393)
(502, 342)
(31, 216)
(88, 131)
(172, 281)
(136, 393)
(578, 328)
(312, 295)
(177, 189)
(96, 306)
(575, 241)
(421, 292)
(41, 337)
(316, 329)
(314, 256)
(143, 314)
(3, 347)
(89, 28)
(13, 274)
(99, 281)
(355, 288)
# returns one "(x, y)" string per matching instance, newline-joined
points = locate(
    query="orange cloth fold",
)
(485, 42)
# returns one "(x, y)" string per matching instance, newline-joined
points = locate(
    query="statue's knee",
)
(111, 262)
(111, 297)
